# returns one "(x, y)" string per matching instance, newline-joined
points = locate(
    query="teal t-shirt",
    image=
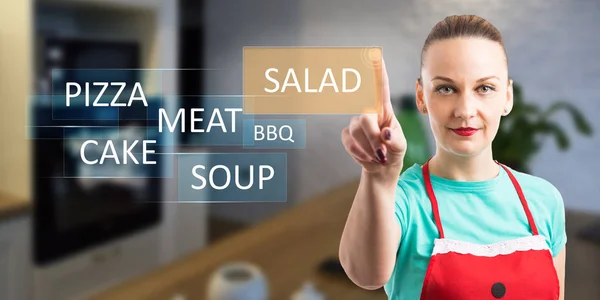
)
(482, 212)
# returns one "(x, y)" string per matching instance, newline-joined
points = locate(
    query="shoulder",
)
(410, 182)
(408, 189)
(547, 207)
(539, 190)
(411, 178)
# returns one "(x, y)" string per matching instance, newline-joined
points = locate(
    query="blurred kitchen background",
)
(166, 250)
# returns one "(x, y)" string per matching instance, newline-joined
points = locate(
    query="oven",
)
(77, 205)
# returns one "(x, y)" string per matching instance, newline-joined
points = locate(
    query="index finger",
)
(382, 92)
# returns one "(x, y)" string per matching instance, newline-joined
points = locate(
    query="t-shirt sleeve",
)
(401, 205)
(559, 233)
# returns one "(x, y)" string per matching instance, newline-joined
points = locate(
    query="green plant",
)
(520, 134)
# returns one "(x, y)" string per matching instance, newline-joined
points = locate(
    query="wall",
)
(15, 83)
(553, 47)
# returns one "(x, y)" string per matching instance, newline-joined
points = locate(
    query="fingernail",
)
(387, 134)
(380, 156)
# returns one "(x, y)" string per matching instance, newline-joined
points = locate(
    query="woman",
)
(461, 226)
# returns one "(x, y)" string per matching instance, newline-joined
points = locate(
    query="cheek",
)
(439, 120)
(492, 123)
(491, 111)
(440, 112)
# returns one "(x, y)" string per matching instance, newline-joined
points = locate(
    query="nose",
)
(465, 107)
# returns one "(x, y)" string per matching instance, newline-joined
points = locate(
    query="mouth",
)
(465, 131)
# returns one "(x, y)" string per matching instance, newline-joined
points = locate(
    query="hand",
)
(376, 140)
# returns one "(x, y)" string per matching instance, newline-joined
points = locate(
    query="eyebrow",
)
(450, 80)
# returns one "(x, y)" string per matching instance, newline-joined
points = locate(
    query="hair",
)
(462, 26)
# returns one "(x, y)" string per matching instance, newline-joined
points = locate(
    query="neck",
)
(478, 167)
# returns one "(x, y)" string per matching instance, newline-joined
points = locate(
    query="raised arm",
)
(371, 235)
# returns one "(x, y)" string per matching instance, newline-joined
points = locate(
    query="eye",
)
(444, 89)
(486, 89)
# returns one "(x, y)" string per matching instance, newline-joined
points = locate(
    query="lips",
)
(465, 131)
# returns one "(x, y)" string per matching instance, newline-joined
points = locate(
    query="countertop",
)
(288, 248)
(11, 206)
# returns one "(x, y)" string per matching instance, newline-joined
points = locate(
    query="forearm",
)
(371, 235)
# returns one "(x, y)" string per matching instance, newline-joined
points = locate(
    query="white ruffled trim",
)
(534, 242)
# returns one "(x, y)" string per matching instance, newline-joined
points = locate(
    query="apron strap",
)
(434, 204)
(522, 197)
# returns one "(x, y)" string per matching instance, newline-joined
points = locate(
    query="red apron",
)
(521, 268)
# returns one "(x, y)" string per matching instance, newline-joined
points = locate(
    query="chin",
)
(464, 148)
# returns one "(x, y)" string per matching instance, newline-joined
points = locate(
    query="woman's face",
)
(465, 91)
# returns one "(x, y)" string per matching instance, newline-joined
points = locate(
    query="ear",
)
(508, 105)
(419, 97)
